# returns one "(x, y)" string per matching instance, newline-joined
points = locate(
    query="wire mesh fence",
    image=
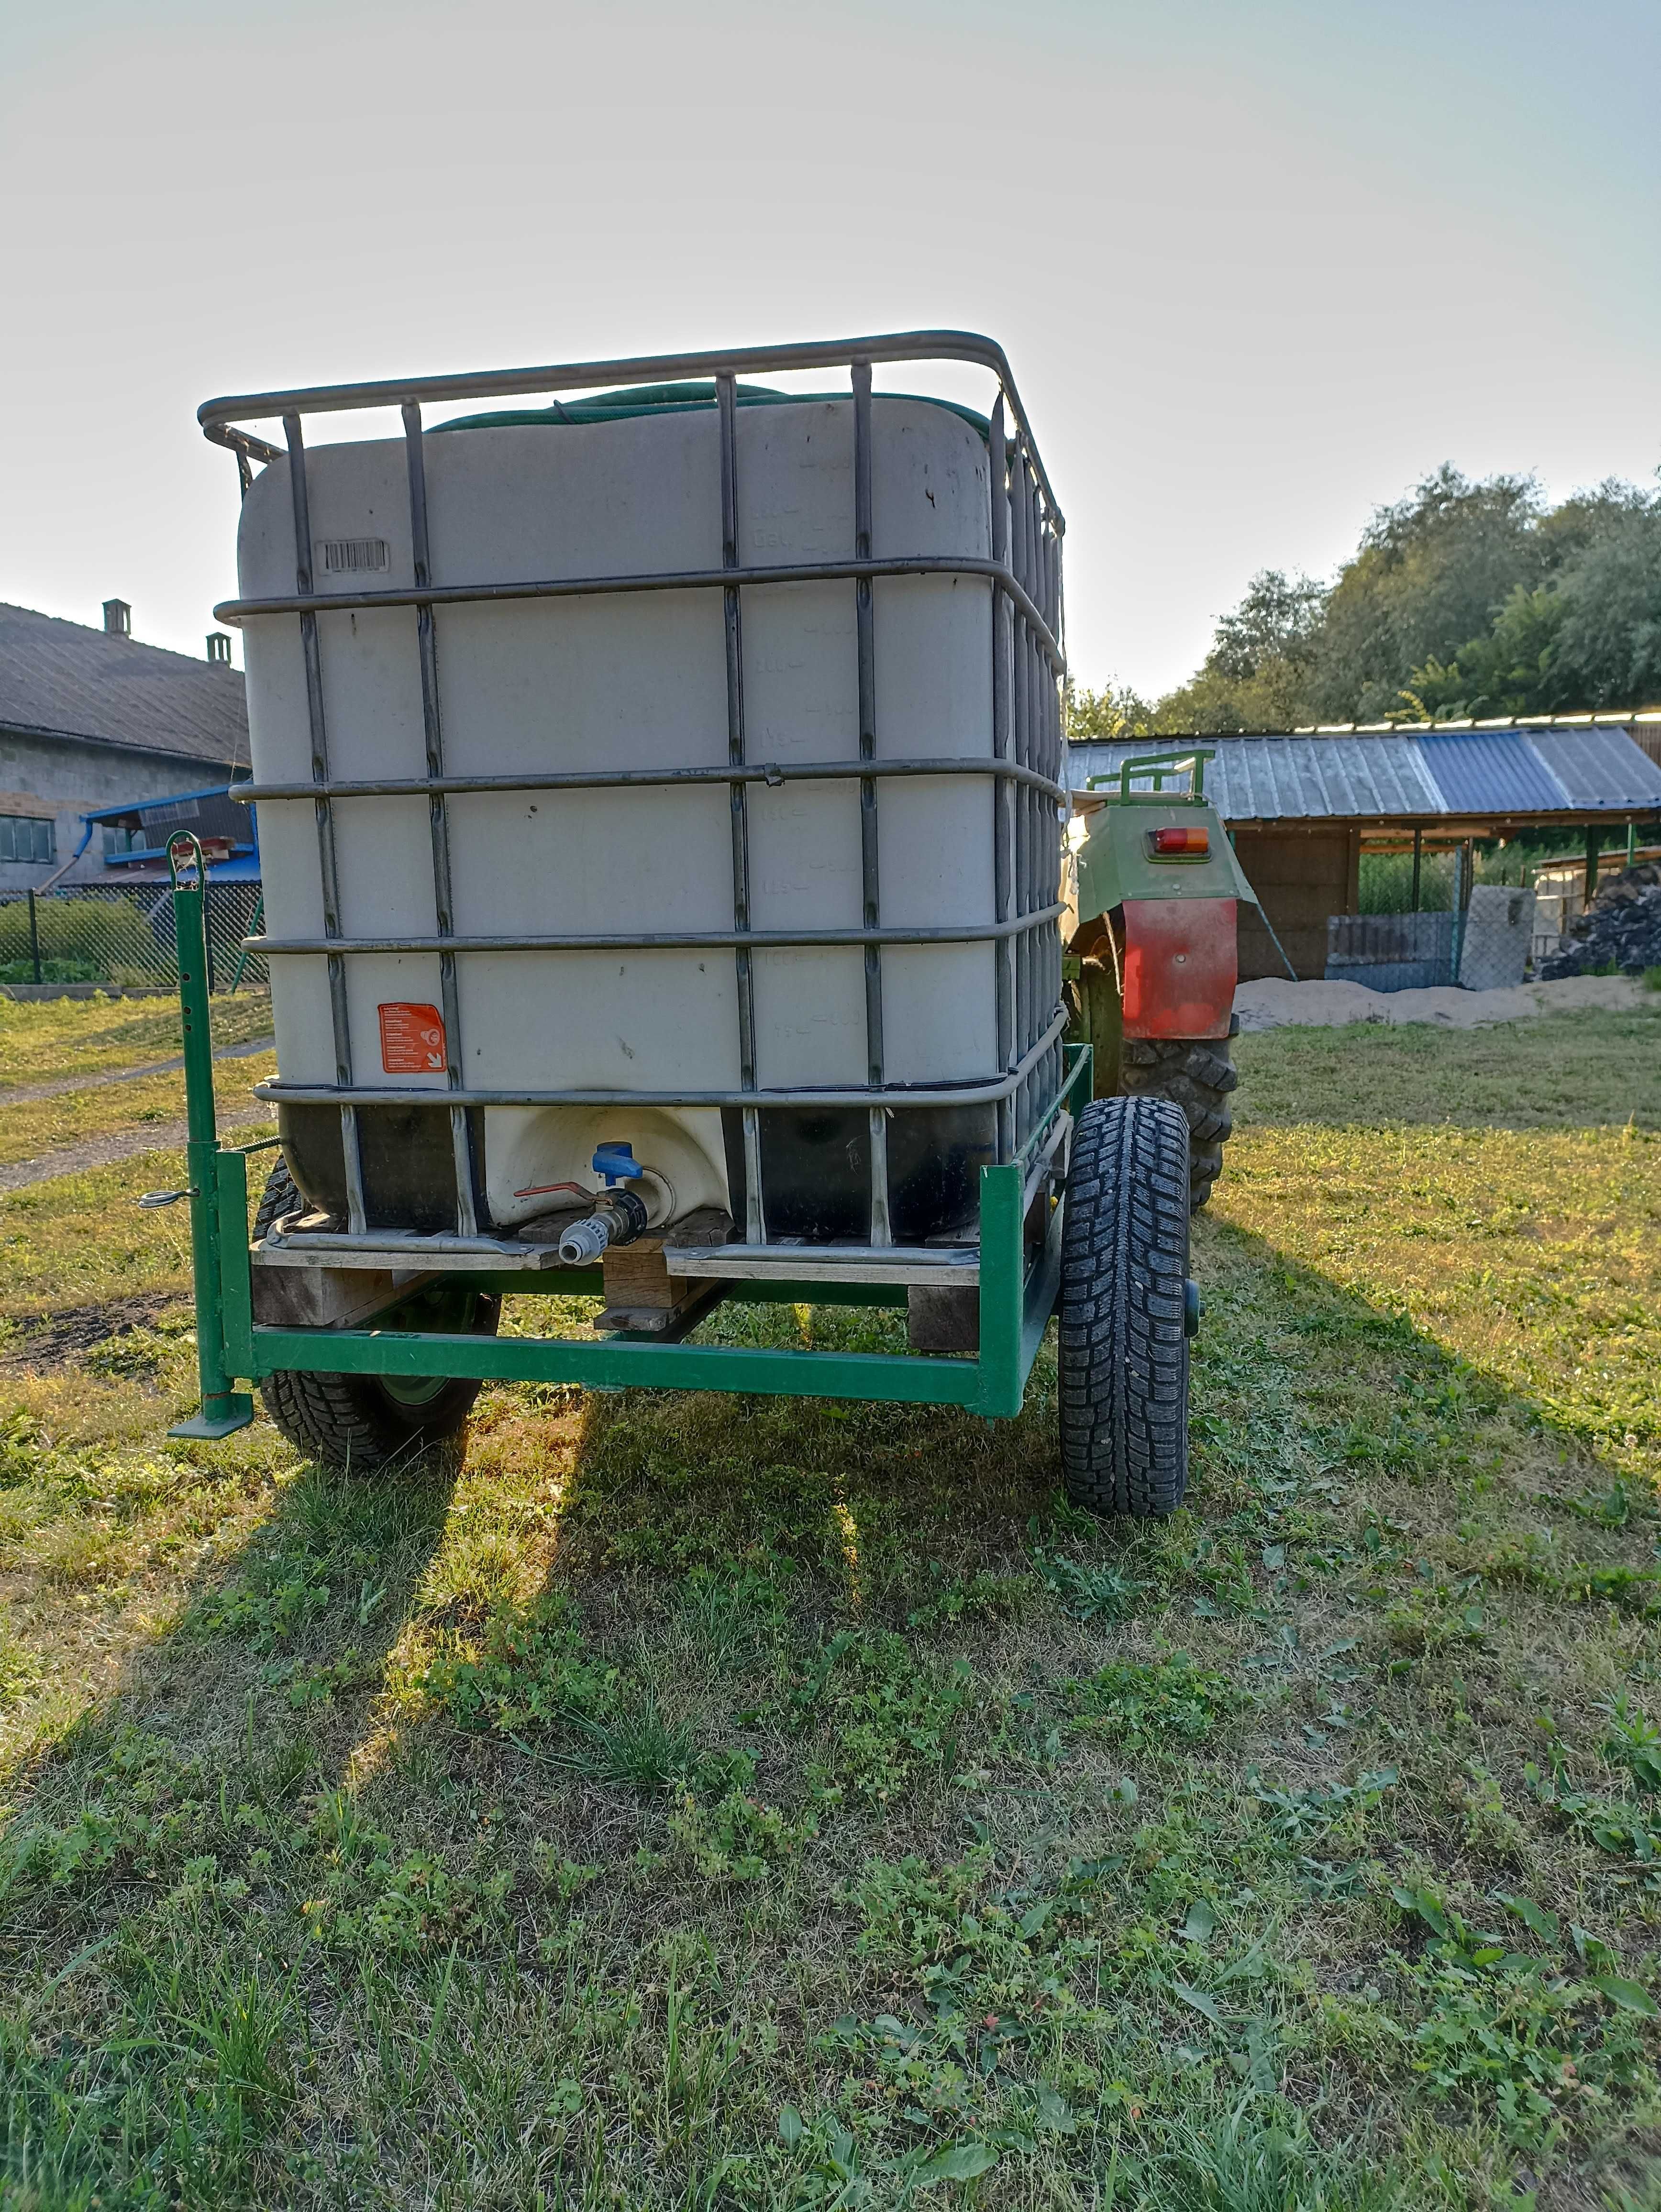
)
(1484, 946)
(1391, 952)
(122, 934)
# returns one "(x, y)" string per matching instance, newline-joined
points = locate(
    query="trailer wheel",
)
(1197, 1073)
(1123, 1311)
(358, 1423)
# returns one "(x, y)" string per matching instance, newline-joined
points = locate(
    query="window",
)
(27, 837)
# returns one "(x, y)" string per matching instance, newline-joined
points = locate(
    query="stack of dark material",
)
(1621, 930)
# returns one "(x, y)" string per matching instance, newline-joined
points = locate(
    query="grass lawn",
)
(724, 1803)
(41, 1039)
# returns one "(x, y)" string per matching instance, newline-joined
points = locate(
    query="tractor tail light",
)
(1180, 844)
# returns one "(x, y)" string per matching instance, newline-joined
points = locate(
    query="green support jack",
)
(224, 1410)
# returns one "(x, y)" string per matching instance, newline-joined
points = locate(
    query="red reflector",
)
(1171, 842)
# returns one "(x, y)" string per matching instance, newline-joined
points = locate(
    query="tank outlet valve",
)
(618, 1218)
(583, 1242)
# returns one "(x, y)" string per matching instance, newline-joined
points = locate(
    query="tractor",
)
(1153, 888)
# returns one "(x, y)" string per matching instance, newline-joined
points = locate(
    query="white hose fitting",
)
(584, 1241)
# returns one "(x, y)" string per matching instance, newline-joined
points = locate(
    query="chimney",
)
(118, 618)
(219, 648)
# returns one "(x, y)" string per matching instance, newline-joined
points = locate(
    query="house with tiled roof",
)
(90, 720)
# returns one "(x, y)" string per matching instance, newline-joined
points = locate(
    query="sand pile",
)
(1271, 1004)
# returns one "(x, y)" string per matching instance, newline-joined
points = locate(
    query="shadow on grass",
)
(302, 1868)
(865, 1509)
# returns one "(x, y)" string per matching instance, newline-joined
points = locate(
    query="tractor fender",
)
(1181, 966)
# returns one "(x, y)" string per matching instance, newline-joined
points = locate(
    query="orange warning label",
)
(412, 1040)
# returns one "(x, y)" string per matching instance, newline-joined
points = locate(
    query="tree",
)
(1114, 712)
(1609, 645)
(1432, 572)
(1463, 598)
(1512, 671)
(1278, 620)
(1254, 675)
(1588, 638)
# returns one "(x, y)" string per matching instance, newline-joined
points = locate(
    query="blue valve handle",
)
(615, 1163)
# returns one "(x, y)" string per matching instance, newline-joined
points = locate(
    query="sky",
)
(1258, 268)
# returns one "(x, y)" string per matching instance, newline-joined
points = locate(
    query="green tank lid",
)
(689, 398)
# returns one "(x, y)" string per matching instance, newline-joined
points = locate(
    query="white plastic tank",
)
(624, 680)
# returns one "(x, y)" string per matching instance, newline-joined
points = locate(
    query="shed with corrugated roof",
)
(1301, 807)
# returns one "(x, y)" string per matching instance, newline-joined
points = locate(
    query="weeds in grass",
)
(1088, 1589)
(1634, 1742)
(737, 1837)
(534, 1672)
(1151, 1702)
(399, 1907)
(890, 1719)
(639, 1748)
(986, 1594)
(1241, 2164)
(1620, 1826)
(713, 1802)
(1306, 1816)
(1505, 2028)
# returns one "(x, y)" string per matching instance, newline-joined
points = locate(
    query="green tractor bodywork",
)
(1115, 862)
(1152, 959)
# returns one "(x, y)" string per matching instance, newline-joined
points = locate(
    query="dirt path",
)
(104, 1151)
(25, 1094)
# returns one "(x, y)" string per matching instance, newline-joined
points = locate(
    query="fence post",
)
(207, 927)
(1463, 854)
(34, 938)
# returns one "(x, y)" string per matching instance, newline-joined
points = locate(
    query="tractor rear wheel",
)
(1124, 1314)
(360, 1423)
(1197, 1074)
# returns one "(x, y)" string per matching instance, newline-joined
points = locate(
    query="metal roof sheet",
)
(1280, 779)
(1491, 772)
(1599, 767)
(1466, 773)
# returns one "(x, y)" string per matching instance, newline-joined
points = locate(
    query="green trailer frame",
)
(1019, 1277)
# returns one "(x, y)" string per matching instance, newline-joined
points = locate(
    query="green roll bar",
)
(1018, 1289)
(1191, 763)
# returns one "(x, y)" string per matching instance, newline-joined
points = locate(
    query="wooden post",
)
(1592, 842)
(1418, 864)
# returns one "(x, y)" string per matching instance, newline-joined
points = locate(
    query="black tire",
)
(1122, 1315)
(281, 1195)
(360, 1423)
(1197, 1074)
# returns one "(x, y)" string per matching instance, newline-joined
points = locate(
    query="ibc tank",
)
(677, 769)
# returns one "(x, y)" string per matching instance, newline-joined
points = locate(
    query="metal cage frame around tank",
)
(1025, 764)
